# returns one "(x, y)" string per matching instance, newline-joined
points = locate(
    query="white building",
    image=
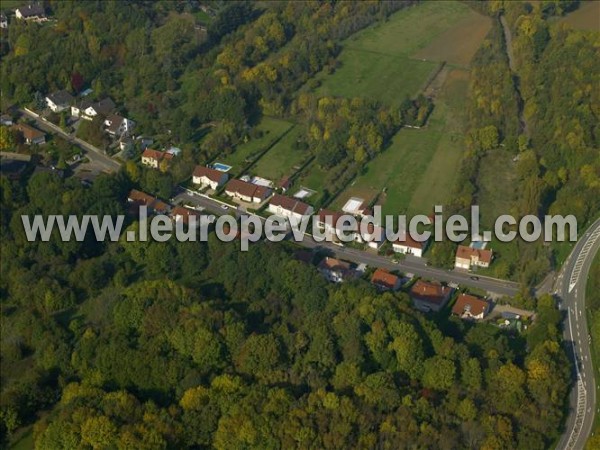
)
(205, 176)
(59, 101)
(117, 125)
(290, 208)
(409, 246)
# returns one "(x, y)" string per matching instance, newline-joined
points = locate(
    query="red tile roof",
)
(468, 303)
(211, 174)
(330, 217)
(328, 263)
(430, 292)
(153, 154)
(242, 188)
(183, 213)
(28, 132)
(289, 204)
(408, 241)
(384, 279)
(465, 252)
(140, 198)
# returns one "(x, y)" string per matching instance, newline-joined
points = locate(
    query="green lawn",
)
(25, 442)
(388, 79)
(380, 62)
(496, 181)
(282, 159)
(418, 169)
(271, 128)
(312, 177)
(12, 4)
(410, 29)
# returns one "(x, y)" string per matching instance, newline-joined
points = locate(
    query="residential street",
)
(94, 154)
(410, 264)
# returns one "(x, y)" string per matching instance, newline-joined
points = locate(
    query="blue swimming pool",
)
(221, 167)
(479, 245)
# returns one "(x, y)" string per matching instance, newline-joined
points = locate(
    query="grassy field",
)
(312, 177)
(271, 128)
(410, 29)
(458, 44)
(496, 181)
(386, 78)
(394, 59)
(586, 17)
(12, 4)
(418, 169)
(281, 160)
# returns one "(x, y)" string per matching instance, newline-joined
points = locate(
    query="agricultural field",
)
(395, 59)
(271, 129)
(282, 159)
(388, 79)
(586, 17)
(417, 170)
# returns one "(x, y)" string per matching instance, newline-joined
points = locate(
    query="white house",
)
(335, 270)
(329, 221)
(409, 246)
(59, 101)
(247, 192)
(466, 257)
(88, 110)
(373, 236)
(30, 134)
(32, 12)
(470, 307)
(385, 280)
(117, 125)
(205, 176)
(290, 208)
(152, 158)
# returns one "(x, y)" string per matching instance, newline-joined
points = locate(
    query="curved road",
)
(570, 287)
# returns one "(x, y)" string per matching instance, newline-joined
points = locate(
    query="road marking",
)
(574, 279)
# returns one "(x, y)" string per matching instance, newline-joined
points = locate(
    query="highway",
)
(410, 264)
(570, 287)
(93, 153)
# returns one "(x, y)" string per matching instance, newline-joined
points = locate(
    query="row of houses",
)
(137, 198)
(426, 296)
(430, 296)
(114, 124)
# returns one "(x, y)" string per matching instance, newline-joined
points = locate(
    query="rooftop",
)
(468, 303)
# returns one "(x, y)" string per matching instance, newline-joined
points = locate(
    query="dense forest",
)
(188, 345)
(180, 345)
(556, 147)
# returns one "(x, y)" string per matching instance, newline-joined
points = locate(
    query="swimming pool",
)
(221, 167)
(479, 245)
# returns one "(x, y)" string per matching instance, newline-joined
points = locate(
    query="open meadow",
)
(271, 130)
(396, 58)
(283, 159)
(418, 169)
(586, 17)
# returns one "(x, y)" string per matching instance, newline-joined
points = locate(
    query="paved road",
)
(97, 156)
(411, 264)
(570, 287)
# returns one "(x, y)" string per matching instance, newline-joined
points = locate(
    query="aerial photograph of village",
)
(299, 224)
